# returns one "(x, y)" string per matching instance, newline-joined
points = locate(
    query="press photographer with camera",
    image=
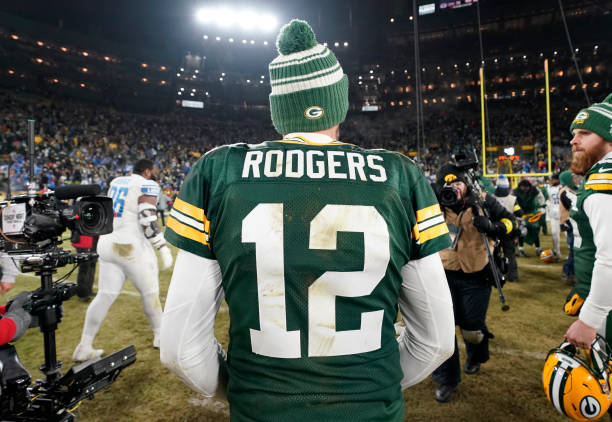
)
(469, 213)
(15, 320)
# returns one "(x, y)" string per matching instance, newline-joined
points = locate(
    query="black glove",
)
(483, 224)
(20, 316)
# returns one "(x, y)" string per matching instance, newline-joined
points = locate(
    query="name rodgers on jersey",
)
(314, 164)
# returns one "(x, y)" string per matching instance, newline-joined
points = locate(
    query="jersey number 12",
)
(264, 227)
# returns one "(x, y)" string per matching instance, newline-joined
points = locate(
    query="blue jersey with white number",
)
(125, 191)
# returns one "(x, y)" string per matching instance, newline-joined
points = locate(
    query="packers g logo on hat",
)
(314, 112)
(581, 117)
(450, 178)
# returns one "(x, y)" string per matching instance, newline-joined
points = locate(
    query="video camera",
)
(466, 162)
(32, 225)
(35, 221)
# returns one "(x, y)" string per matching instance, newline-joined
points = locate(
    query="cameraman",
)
(15, 320)
(467, 268)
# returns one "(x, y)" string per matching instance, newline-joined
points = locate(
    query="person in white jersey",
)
(552, 210)
(128, 252)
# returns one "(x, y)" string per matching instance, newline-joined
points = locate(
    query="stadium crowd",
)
(83, 143)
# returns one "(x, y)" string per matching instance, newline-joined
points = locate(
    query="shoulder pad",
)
(149, 188)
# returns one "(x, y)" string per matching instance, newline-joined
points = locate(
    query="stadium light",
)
(345, 44)
(205, 37)
(336, 44)
(231, 40)
(247, 19)
(265, 42)
(244, 19)
(268, 23)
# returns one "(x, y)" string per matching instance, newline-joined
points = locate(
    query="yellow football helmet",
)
(547, 256)
(579, 386)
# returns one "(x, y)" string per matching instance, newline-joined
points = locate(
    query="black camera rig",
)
(55, 397)
(31, 228)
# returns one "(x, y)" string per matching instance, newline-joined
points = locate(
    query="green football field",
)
(507, 388)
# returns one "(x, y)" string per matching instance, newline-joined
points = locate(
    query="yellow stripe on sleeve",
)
(516, 208)
(186, 231)
(428, 212)
(600, 176)
(190, 210)
(433, 232)
(598, 187)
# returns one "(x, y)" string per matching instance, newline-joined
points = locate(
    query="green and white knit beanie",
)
(596, 118)
(309, 88)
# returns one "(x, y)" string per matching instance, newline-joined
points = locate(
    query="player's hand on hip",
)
(166, 257)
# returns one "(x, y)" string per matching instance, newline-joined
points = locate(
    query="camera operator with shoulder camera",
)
(15, 320)
(469, 213)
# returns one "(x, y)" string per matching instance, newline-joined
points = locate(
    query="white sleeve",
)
(599, 301)
(188, 346)
(426, 307)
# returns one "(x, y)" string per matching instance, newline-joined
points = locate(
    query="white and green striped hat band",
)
(309, 88)
(596, 118)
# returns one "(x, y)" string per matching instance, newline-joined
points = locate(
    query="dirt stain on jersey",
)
(123, 249)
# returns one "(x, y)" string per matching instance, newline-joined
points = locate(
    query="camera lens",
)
(90, 214)
(92, 217)
(448, 196)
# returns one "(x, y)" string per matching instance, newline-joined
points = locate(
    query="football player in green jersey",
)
(592, 157)
(315, 244)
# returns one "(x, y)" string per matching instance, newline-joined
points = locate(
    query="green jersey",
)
(597, 180)
(310, 239)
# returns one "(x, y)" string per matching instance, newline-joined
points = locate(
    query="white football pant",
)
(555, 230)
(136, 261)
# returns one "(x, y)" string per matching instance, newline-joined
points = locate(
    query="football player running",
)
(128, 252)
(314, 243)
(592, 157)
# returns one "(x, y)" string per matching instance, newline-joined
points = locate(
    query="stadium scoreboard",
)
(428, 8)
